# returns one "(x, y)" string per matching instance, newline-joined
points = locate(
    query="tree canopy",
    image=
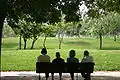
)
(50, 11)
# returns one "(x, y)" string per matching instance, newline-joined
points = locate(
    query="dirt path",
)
(33, 76)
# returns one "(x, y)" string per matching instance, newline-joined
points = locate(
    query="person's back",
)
(58, 59)
(72, 59)
(44, 58)
(85, 59)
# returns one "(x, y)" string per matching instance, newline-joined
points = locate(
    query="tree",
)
(48, 30)
(25, 31)
(103, 25)
(62, 27)
(50, 10)
(3, 4)
(113, 24)
(97, 27)
(7, 31)
(36, 31)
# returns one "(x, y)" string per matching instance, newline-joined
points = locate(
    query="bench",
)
(44, 67)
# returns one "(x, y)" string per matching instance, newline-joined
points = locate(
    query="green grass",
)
(106, 59)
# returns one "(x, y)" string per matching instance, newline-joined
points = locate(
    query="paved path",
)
(99, 75)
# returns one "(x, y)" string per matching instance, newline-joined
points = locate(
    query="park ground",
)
(107, 59)
(99, 75)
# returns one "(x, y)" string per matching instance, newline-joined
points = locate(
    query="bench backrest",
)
(42, 67)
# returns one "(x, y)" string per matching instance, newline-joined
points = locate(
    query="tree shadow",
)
(77, 43)
(56, 77)
(111, 48)
(9, 45)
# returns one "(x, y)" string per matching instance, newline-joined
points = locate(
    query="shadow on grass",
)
(111, 48)
(9, 45)
(67, 77)
(77, 43)
(37, 48)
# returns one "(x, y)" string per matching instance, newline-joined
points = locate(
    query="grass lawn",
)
(107, 59)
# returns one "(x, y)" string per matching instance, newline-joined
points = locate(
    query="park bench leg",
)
(52, 76)
(39, 77)
(60, 75)
(86, 76)
(46, 76)
(77, 76)
(72, 75)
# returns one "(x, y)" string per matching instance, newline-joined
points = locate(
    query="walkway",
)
(66, 76)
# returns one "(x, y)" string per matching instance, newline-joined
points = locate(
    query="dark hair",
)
(57, 54)
(72, 53)
(86, 53)
(44, 51)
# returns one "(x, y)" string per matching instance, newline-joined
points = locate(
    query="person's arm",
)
(77, 60)
(38, 59)
(92, 59)
(67, 60)
(83, 59)
(49, 58)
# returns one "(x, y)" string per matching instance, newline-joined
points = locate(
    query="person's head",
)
(57, 54)
(72, 53)
(86, 53)
(43, 51)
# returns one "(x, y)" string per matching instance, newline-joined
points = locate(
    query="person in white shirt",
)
(43, 57)
(85, 59)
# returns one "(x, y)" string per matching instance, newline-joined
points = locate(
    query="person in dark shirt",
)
(58, 59)
(72, 59)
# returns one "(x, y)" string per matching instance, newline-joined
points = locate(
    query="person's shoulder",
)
(53, 60)
(39, 56)
(76, 58)
(61, 58)
(68, 57)
(47, 55)
(90, 56)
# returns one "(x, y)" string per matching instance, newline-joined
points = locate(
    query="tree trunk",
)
(20, 42)
(115, 38)
(60, 41)
(3, 4)
(100, 35)
(44, 41)
(33, 43)
(1, 28)
(60, 44)
(25, 41)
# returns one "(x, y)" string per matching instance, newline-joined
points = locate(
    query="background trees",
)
(103, 26)
(42, 11)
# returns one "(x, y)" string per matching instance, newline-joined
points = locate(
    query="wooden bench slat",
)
(43, 67)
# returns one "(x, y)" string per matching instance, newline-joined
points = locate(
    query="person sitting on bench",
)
(85, 59)
(72, 59)
(44, 58)
(58, 59)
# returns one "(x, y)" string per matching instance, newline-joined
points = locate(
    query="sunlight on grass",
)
(14, 59)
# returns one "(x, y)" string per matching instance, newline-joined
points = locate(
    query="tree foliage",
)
(51, 10)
